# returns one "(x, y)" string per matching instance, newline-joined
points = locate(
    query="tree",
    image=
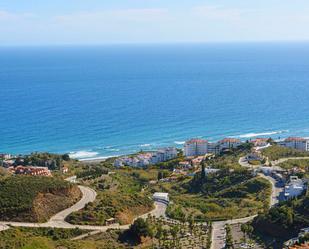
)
(174, 232)
(160, 175)
(203, 173)
(66, 157)
(159, 234)
(140, 228)
(244, 229)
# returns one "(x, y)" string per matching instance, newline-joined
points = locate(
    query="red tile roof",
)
(292, 139)
(196, 140)
(229, 140)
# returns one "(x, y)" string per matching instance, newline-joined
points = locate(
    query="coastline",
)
(95, 160)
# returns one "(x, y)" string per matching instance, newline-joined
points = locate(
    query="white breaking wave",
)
(145, 145)
(82, 154)
(249, 135)
(179, 142)
(111, 149)
(97, 158)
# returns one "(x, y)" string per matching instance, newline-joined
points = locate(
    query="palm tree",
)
(244, 229)
(159, 234)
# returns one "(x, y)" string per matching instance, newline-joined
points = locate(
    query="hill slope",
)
(35, 199)
(284, 221)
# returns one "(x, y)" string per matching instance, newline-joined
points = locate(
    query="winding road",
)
(88, 195)
(218, 228)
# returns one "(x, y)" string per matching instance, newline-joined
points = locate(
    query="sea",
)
(101, 101)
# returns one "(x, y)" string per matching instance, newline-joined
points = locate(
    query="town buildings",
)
(229, 143)
(30, 170)
(200, 147)
(195, 147)
(260, 142)
(144, 159)
(297, 143)
(4, 156)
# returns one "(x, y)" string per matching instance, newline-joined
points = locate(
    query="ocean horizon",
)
(102, 101)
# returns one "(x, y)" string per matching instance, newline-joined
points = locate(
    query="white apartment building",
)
(145, 159)
(213, 148)
(195, 147)
(229, 143)
(294, 187)
(297, 143)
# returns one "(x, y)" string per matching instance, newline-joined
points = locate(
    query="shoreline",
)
(93, 160)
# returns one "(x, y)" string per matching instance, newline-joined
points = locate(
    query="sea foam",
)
(82, 154)
(250, 135)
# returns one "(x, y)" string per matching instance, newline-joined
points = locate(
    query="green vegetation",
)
(276, 152)
(223, 195)
(229, 159)
(158, 233)
(28, 198)
(52, 161)
(229, 237)
(255, 162)
(56, 238)
(299, 163)
(92, 172)
(120, 195)
(286, 219)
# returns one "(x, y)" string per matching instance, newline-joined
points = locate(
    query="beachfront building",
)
(294, 187)
(164, 154)
(144, 159)
(213, 148)
(195, 147)
(5, 156)
(297, 143)
(229, 143)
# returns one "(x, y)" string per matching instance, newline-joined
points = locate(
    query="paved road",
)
(277, 190)
(88, 195)
(218, 232)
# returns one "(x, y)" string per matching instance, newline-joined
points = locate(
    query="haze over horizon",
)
(154, 21)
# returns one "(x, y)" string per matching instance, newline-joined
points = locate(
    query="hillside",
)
(284, 221)
(223, 195)
(276, 152)
(34, 199)
(119, 196)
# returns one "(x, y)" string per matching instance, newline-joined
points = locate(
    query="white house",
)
(209, 170)
(297, 143)
(294, 187)
(145, 159)
(158, 196)
(195, 147)
(260, 142)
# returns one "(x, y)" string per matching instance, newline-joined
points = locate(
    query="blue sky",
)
(31, 22)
